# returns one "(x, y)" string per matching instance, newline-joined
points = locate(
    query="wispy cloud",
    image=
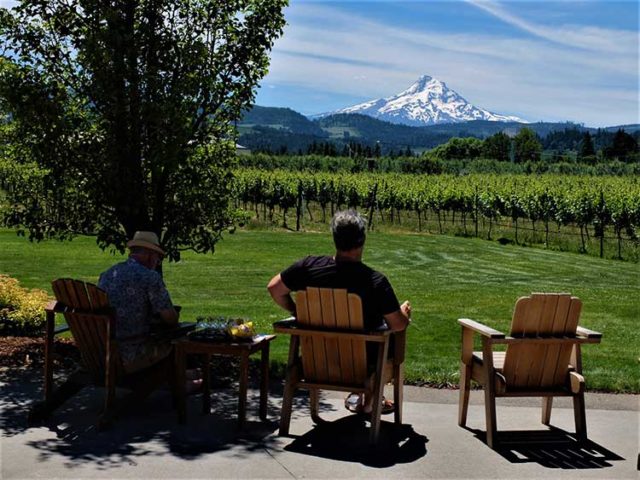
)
(588, 38)
(536, 76)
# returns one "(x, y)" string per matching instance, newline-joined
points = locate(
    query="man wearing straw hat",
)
(140, 298)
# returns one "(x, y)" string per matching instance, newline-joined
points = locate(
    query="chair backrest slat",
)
(98, 298)
(541, 365)
(341, 306)
(329, 360)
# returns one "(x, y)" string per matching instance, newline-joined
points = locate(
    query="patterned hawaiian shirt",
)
(137, 294)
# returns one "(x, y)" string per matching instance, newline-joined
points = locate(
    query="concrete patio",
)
(149, 442)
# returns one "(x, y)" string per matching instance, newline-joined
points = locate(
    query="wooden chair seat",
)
(327, 351)
(543, 358)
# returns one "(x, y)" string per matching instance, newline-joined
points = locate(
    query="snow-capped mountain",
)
(427, 102)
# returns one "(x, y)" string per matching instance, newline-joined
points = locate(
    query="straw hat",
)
(146, 240)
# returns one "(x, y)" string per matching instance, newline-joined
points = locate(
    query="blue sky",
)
(542, 61)
(568, 60)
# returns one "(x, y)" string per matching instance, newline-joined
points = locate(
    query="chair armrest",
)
(480, 328)
(61, 329)
(291, 327)
(290, 322)
(585, 332)
(55, 306)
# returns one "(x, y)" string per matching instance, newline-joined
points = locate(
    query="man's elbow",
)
(397, 322)
(272, 290)
(398, 327)
(170, 316)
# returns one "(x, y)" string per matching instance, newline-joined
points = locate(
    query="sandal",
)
(387, 406)
(353, 403)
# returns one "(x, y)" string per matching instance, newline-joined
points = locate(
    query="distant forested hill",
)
(284, 130)
(281, 119)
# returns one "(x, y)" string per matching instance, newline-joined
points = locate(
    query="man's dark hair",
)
(348, 229)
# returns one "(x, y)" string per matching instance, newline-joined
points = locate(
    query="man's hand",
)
(406, 309)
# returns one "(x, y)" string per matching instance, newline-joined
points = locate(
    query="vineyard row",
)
(581, 203)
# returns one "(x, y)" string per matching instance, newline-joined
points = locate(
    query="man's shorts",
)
(140, 355)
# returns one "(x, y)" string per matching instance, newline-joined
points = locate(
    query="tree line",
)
(525, 146)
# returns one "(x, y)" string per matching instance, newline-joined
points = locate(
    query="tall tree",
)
(623, 145)
(498, 147)
(458, 149)
(123, 113)
(586, 147)
(526, 146)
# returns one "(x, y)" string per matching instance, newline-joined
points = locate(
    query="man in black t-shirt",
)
(381, 308)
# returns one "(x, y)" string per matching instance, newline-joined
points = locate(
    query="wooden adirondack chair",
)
(327, 351)
(542, 358)
(93, 325)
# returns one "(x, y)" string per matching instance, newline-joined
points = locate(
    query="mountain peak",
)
(425, 84)
(427, 101)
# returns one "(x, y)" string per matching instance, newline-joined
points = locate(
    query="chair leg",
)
(547, 403)
(465, 385)
(287, 404)
(289, 386)
(40, 411)
(378, 392)
(490, 413)
(398, 384)
(580, 416)
(489, 393)
(375, 417)
(314, 403)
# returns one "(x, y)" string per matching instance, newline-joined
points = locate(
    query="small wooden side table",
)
(185, 346)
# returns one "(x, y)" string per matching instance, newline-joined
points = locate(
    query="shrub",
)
(21, 309)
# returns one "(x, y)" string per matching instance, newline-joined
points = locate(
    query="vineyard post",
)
(601, 222)
(372, 204)
(475, 200)
(299, 206)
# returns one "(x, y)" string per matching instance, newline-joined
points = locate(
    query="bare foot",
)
(193, 386)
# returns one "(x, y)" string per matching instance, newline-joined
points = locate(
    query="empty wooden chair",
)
(328, 351)
(542, 358)
(92, 323)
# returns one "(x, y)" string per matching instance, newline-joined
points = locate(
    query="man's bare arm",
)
(281, 294)
(400, 319)
(169, 316)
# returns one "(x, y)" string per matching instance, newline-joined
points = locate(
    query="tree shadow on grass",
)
(553, 448)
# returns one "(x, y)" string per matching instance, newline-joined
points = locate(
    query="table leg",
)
(244, 377)
(264, 380)
(181, 366)
(206, 384)
(48, 356)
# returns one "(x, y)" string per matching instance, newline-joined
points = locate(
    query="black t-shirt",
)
(375, 291)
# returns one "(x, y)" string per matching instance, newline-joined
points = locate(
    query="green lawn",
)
(444, 277)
